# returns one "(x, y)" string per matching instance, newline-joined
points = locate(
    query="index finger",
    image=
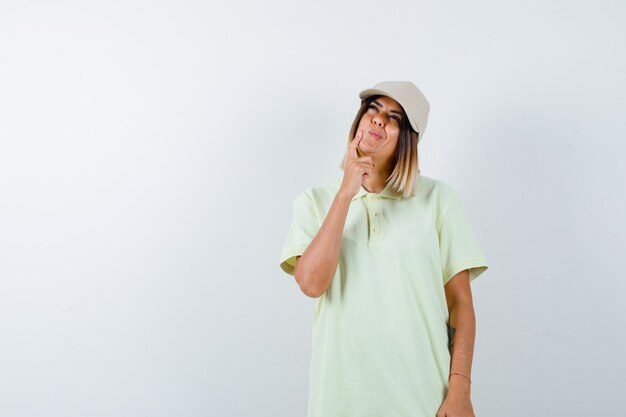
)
(355, 144)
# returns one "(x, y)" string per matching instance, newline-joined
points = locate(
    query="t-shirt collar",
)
(387, 192)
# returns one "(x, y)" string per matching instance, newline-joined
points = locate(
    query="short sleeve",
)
(459, 249)
(304, 227)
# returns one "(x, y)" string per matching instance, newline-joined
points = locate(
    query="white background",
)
(150, 152)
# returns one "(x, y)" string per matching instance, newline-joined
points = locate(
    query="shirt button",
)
(374, 229)
(375, 214)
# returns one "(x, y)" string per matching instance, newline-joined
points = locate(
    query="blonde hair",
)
(405, 174)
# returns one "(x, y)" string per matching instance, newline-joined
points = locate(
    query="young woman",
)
(389, 254)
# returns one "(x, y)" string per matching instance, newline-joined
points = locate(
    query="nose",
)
(376, 120)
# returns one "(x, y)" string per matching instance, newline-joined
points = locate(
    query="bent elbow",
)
(309, 290)
(310, 293)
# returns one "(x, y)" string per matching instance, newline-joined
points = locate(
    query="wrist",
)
(459, 383)
(344, 196)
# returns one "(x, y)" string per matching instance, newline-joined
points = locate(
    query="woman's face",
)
(381, 128)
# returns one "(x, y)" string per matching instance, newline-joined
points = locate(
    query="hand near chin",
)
(356, 169)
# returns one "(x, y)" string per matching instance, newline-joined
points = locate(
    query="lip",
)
(376, 134)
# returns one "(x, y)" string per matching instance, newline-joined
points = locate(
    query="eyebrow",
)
(390, 111)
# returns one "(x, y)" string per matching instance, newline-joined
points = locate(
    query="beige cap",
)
(409, 97)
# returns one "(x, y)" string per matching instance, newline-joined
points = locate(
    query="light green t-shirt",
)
(380, 335)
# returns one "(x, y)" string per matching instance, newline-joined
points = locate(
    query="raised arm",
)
(315, 269)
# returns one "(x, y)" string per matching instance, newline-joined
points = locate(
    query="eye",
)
(396, 118)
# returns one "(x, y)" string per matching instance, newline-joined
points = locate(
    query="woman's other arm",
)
(462, 334)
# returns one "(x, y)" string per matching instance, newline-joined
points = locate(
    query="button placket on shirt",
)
(375, 223)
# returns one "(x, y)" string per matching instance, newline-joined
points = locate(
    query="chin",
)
(369, 150)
